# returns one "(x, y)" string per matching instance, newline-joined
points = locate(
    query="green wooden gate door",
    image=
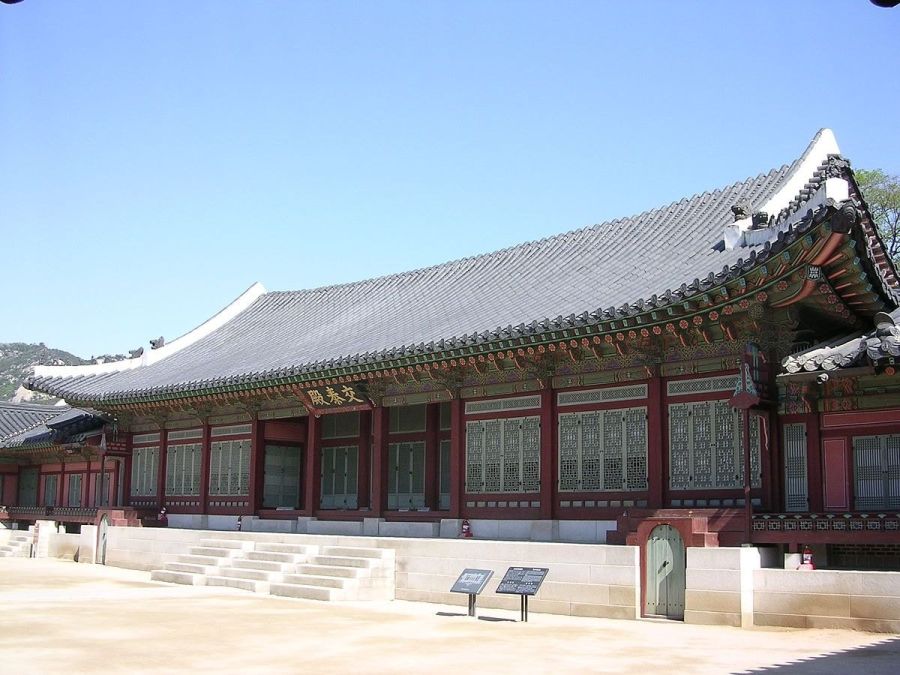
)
(28, 487)
(665, 573)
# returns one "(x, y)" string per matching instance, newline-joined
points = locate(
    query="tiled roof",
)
(34, 425)
(605, 271)
(18, 417)
(847, 351)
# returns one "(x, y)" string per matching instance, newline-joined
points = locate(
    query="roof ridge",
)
(531, 242)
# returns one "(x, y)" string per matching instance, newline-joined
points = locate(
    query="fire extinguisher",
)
(240, 523)
(466, 529)
(807, 562)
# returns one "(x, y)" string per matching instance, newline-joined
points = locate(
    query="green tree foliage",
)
(882, 194)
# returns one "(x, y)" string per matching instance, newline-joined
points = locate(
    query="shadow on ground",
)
(881, 658)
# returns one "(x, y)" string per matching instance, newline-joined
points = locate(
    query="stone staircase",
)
(18, 546)
(298, 570)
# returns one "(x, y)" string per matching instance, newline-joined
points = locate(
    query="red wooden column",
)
(457, 457)
(770, 463)
(312, 480)
(548, 454)
(205, 453)
(161, 473)
(379, 461)
(432, 456)
(815, 471)
(655, 445)
(86, 487)
(257, 451)
(364, 469)
(60, 489)
(126, 479)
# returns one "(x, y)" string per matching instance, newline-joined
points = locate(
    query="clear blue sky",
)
(156, 158)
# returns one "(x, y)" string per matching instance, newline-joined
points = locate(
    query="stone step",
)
(200, 559)
(265, 565)
(275, 557)
(215, 552)
(251, 585)
(306, 592)
(227, 543)
(354, 552)
(172, 577)
(190, 568)
(314, 580)
(344, 561)
(296, 549)
(255, 575)
(331, 571)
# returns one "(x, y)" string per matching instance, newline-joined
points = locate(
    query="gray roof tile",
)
(604, 271)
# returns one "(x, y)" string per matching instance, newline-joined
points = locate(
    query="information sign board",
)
(522, 580)
(472, 581)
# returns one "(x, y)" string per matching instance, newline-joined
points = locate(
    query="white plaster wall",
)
(61, 545)
(584, 580)
(867, 601)
(713, 586)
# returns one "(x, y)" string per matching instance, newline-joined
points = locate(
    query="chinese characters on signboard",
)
(342, 396)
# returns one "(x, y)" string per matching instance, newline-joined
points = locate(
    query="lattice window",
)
(493, 455)
(702, 385)
(606, 395)
(706, 446)
(406, 475)
(445, 475)
(531, 454)
(75, 489)
(613, 450)
(183, 469)
(229, 468)
(568, 452)
(680, 446)
(339, 477)
(51, 487)
(503, 405)
(591, 451)
(512, 466)
(876, 461)
(340, 425)
(233, 430)
(507, 453)
(636, 449)
(475, 457)
(144, 467)
(604, 450)
(796, 489)
(407, 419)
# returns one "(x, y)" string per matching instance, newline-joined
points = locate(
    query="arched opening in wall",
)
(665, 573)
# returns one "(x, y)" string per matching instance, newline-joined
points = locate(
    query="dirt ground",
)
(62, 617)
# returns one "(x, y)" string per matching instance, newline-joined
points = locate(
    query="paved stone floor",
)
(62, 617)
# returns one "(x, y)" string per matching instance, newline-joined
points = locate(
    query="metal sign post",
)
(472, 582)
(524, 582)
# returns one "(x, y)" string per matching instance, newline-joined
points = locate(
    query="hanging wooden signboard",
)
(337, 398)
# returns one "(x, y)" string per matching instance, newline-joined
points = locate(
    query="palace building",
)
(723, 365)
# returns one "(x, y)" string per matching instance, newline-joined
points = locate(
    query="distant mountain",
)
(17, 359)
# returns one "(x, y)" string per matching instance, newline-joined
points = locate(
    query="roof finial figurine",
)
(158, 342)
(136, 353)
(741, 209)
